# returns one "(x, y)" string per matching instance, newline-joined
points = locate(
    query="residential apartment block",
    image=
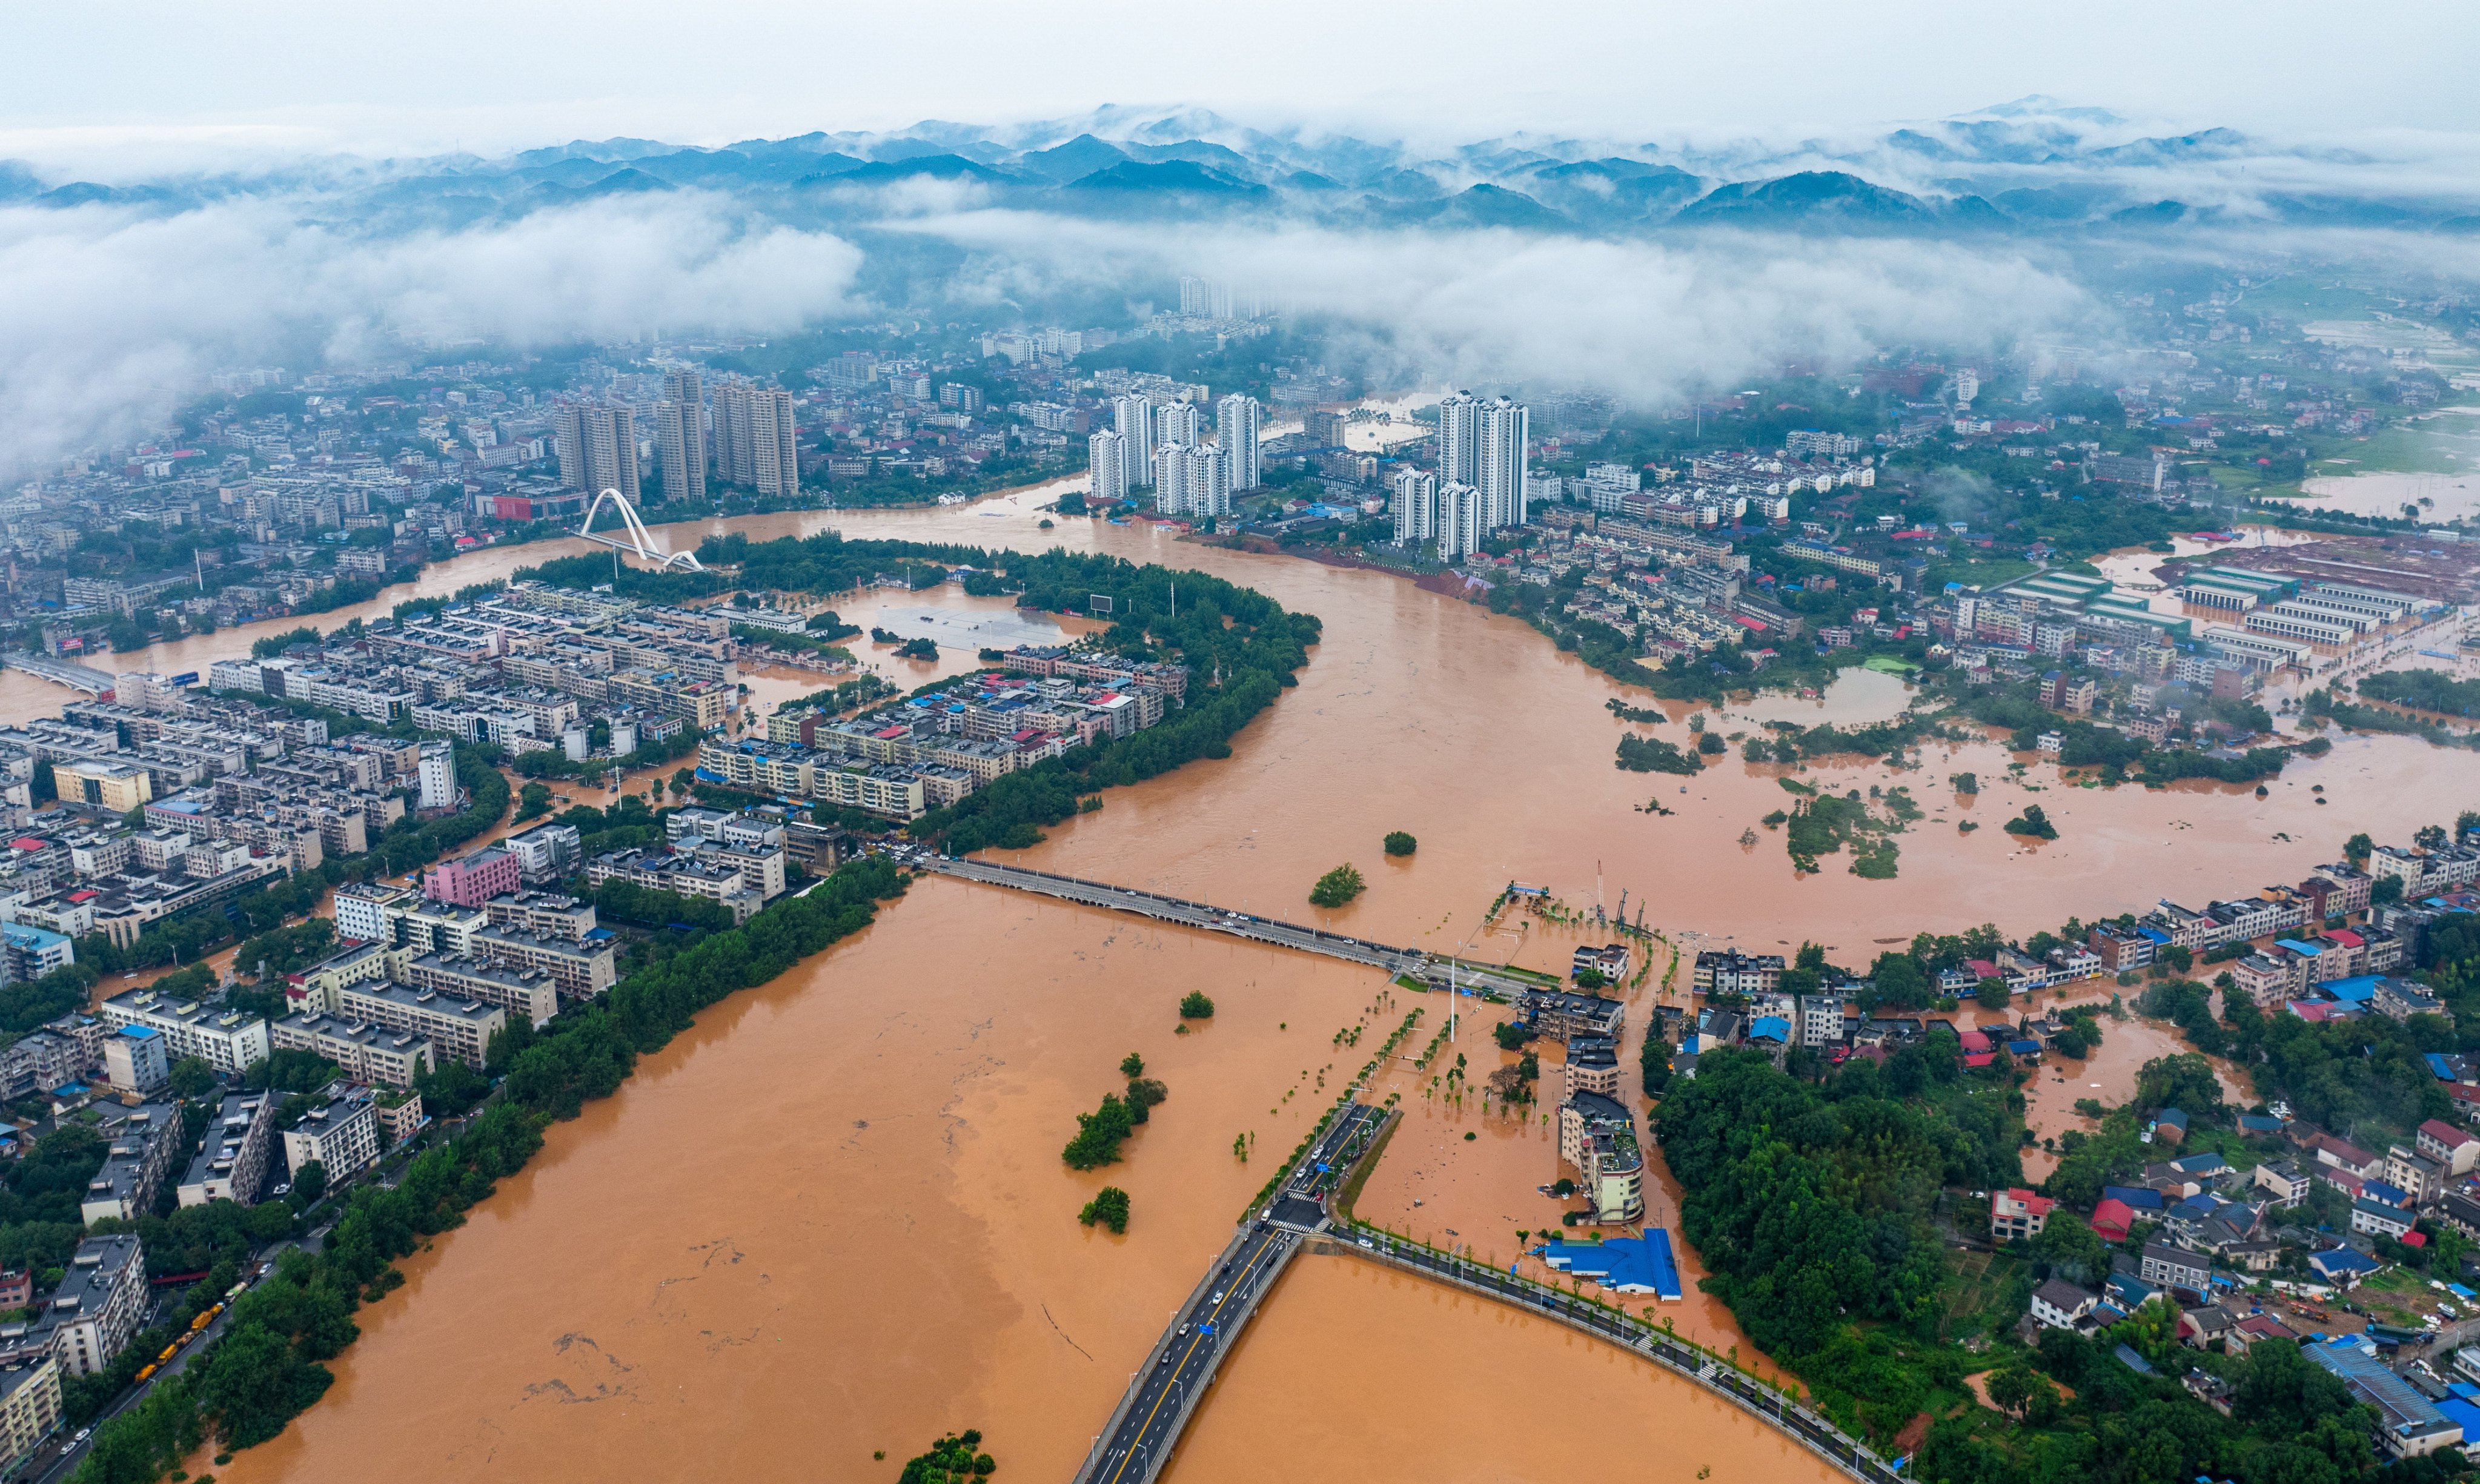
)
(231, 1164)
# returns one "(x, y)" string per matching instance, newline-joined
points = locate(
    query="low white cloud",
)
(108, 316)
(1647, 319)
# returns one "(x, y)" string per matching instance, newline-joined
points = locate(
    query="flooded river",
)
(832, 1218)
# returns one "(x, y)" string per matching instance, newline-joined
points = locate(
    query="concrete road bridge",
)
(1478, 979)
(1164, 1392)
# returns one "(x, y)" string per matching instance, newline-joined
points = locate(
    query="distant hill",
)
(1811, 198)
(1168, 177)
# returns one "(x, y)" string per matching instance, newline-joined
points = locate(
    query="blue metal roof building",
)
(1623, 1264)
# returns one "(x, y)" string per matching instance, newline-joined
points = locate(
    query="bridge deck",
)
(1164, 1392)
(1216, 919)
(94, 682)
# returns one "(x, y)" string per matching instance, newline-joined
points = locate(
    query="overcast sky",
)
(154, 79)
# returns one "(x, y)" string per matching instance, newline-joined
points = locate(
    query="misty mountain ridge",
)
(2033, 166)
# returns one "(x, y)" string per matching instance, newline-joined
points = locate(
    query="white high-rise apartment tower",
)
(1416, 507)
(1459, 521)
(1501, 433)
(753, 438)
(735, 461)
(1236, 421)
(598, 448)
(680, 436)
(1459, 438)
(1106, 460)
(1206, 486)
(1190, 480)
(1133, 417)
(772, 445)
(1175, 424)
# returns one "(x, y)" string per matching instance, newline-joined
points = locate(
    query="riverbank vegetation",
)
(2425, 690)
(2326, 704)
(269, 1366)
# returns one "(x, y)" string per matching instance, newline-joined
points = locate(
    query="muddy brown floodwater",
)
(832, 1218)
(2107, 1076)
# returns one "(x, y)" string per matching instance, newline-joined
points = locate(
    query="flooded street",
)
(833, 1217)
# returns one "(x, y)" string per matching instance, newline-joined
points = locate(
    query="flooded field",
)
(833, 1217)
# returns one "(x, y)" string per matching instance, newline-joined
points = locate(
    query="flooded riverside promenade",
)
(832, 1218)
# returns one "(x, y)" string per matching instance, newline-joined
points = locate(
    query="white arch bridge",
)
(632, 537)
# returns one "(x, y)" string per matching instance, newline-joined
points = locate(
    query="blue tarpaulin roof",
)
(1625, 1265)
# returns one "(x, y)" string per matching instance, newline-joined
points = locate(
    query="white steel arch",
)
(638, 540)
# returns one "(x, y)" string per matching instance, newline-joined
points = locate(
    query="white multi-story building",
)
(1416, 507)
(1133, 417)
(98, 1305)
(437, 773)
(30, 1408)
(341, 1138)
(225, 1039)
(362, 911)
(365, 1053)
(1106, 460)
(1236, 421)
(231, 1165)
